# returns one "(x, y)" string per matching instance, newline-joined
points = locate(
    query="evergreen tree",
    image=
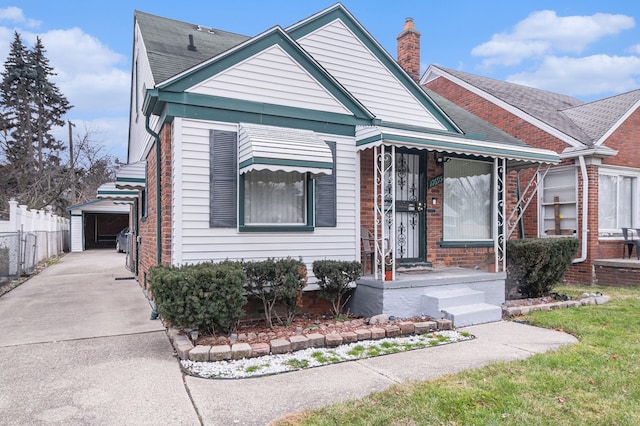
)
(31, 106)
(16, 114)
(50, 106)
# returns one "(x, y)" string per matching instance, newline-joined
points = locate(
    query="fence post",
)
(13, 215)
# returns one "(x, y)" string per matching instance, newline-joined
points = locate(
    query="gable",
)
(274, 44)
(359, 63)
(271, 76)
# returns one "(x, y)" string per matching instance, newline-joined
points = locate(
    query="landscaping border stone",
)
(219, 352)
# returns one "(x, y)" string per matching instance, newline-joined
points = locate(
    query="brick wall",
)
(438, 256)
(148, 225)
(617, 276)
(579, 272)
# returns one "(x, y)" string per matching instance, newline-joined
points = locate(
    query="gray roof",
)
(471, 124)
(540, 104)
(166, 41)
(597, 118)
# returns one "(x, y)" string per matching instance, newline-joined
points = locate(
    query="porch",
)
(465, 296)
(617, 272)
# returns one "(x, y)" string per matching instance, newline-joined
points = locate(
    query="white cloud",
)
(634, 49)
(543, 33)
(94, 78)
(14, 14)
(584, 77)
(89, 73)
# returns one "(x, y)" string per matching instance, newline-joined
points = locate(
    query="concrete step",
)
(435, 301)
(477, 313)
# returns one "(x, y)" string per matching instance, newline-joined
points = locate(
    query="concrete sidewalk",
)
(257, 401)
(77, 347)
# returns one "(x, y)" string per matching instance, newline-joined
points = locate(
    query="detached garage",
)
(95, 224)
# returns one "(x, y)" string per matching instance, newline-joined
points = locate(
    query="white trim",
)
(177, 204)
(504, 105)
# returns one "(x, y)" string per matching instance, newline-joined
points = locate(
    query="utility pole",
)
(72, 162)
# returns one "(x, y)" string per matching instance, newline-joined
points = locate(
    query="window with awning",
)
(286, 179)
(282, 149)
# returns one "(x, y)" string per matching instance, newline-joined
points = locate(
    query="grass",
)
(594, 382)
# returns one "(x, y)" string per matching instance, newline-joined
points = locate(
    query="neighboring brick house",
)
(597, 143)
(297, 141)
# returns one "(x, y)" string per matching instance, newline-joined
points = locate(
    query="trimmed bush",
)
(276, 282)
(207, 296)
(537, 265)
(334, 277)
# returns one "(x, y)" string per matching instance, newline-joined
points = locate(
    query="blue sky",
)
(587, 49)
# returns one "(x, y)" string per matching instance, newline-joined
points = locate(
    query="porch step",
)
(435, 301)
(462, 305)
(477, 313)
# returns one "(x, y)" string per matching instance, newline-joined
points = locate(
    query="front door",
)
(410, 232)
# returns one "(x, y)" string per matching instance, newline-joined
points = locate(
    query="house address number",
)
(436, 181)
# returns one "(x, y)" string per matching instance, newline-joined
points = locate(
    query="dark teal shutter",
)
(223, 170)
(325, 195)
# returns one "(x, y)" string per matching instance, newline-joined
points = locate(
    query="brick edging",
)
(515, 311)
(204, 353)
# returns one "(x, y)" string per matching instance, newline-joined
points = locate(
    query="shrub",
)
(206, 296)
(334, 277)
(536, 265)
(291, 278)
(276, 281)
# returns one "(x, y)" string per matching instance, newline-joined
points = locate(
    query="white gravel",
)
(314, 357)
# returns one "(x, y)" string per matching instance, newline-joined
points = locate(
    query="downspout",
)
(156, 137)
(585, 209)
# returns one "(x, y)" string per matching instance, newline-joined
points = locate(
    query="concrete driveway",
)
(77, 347)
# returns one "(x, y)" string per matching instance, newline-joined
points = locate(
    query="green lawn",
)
(595, 382)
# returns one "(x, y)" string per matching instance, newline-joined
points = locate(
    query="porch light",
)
(440, 159)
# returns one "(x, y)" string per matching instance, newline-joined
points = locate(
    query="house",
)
(291, 142)
(593, 192)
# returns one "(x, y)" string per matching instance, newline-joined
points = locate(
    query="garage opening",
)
(101, 229)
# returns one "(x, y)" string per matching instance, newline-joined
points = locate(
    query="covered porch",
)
(438, 210)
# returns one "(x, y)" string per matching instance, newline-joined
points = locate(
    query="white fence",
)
(29, 237)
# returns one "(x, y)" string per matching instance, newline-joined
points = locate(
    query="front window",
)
(617, 202)
(467, 200)
(275, 198)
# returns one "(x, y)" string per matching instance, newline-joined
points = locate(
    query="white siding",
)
(339, 51)
(200, 243)
(77, 233)
(139, 138)
(272, 77)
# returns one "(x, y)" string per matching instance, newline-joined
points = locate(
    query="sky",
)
(582, 48)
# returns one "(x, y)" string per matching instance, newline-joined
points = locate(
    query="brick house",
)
(303, 141)
(593, 192)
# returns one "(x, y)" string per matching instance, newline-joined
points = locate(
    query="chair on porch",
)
(630, 243)
(368, 245)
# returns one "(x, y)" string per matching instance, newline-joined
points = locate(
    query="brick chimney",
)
(409, 50)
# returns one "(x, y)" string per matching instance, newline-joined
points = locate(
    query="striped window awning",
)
(109, 190)
(370, 136)
(278, 148)
(132, 176)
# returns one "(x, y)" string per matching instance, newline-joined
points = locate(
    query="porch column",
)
(499, 201)
(384, 209)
